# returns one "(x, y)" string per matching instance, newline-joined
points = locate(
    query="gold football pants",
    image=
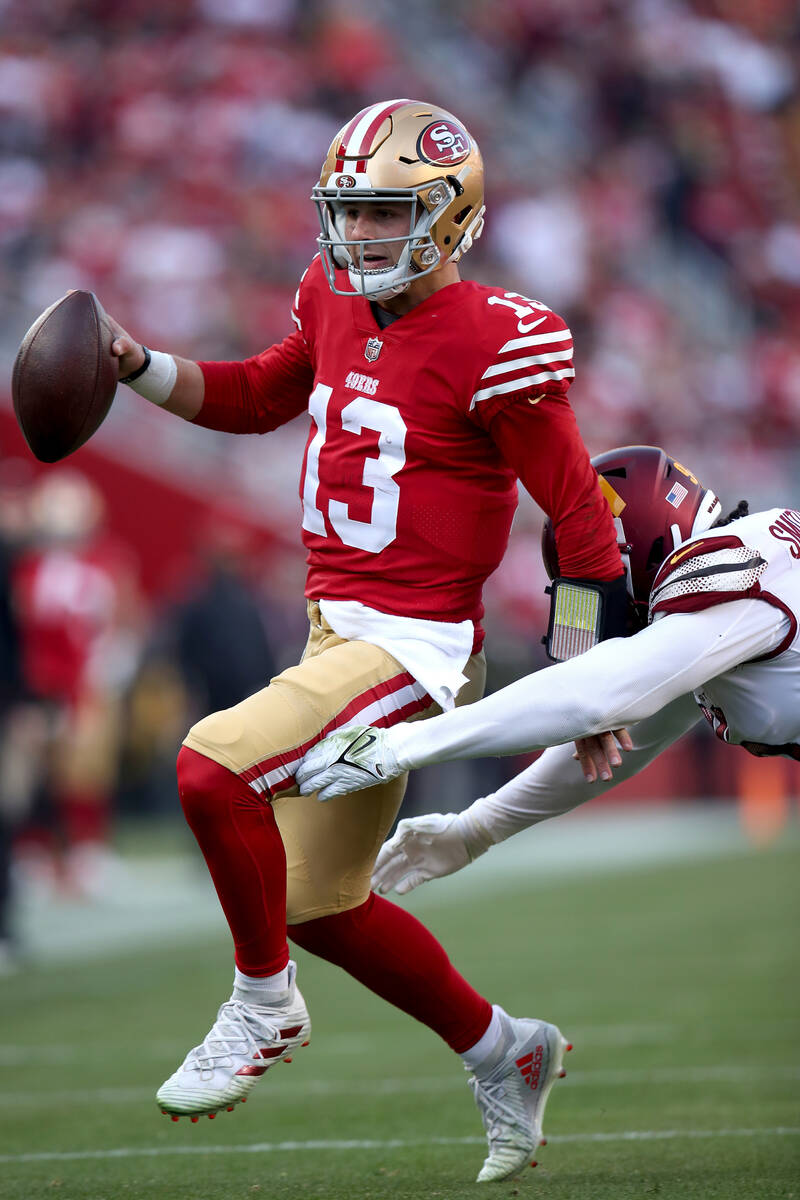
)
(330, 848)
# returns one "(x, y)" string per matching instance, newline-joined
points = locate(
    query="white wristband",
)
(157, 382)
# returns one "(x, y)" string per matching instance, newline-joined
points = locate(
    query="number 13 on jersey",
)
(361, 413)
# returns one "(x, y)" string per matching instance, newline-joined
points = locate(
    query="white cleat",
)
(512, 1094)
(243, 1043)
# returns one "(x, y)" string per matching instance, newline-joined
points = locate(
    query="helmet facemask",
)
(419, 255)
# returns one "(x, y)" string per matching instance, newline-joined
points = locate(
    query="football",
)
(64, 376)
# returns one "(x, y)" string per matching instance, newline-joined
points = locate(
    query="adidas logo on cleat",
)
(530, 1067)
(271, 1052)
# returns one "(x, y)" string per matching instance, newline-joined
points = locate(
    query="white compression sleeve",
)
(554, 784)
(614, 684)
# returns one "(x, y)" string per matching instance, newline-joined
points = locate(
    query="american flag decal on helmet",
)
(676, 495)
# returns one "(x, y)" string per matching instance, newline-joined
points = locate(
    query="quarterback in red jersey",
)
(428, 398)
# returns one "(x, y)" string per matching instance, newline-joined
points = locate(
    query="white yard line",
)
(630, 1135)
(736, 1074)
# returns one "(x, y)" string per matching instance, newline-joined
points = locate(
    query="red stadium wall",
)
(160, 522)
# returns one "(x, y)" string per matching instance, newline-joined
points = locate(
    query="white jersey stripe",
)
(536, 339)
(516, 364)
(516, 385)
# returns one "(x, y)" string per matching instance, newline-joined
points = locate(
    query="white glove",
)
(347, 761)
(426, 848)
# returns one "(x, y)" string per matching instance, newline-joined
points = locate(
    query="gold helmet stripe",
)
(615, 501)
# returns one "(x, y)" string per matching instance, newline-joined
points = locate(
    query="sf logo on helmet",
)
(443, 142)
(345, 181)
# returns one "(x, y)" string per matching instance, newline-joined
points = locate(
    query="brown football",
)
(64, 376)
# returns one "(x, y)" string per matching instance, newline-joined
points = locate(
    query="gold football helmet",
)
(400, 152)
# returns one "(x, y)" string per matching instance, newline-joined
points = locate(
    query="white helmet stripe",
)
(357, 138)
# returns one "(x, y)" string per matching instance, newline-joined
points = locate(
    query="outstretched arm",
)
(614, 684)
(437, 844)
(253, 396)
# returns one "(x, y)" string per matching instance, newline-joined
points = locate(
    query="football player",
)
(429, 396)
(722, 598)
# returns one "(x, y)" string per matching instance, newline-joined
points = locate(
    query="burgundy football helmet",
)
(656, 503)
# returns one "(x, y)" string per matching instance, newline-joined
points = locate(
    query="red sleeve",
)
(260, 393)
(541, 441)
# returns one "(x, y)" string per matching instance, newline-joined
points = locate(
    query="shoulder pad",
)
(709, 570)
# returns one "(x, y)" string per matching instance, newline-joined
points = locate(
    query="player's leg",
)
(230, 766)
(331, 850)
(86, 758)
(514, 1061)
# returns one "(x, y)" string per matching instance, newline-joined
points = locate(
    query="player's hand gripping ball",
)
(64, 376)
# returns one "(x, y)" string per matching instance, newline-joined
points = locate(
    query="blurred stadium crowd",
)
(643, 179)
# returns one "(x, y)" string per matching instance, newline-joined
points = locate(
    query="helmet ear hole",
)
(656, 555)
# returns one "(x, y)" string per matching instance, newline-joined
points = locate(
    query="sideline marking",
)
(630, 1135)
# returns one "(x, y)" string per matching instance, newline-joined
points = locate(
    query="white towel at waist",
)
(434, 652)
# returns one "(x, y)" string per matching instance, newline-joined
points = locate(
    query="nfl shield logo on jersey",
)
(373, 349)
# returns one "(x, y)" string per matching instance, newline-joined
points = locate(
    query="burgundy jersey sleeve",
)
(539, 437)
(260, 393)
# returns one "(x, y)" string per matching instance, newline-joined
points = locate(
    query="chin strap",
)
(584, 612)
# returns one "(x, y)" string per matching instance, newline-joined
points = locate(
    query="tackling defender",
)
(429, 397)
(722, 643)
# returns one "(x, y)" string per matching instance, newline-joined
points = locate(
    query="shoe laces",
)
(237, 1031)
(496, 1103)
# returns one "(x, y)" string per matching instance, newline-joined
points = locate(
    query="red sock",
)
(84, 817)
(237, 832)
(395, 956)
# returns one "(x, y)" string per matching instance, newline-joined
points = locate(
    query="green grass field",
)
(678, 984)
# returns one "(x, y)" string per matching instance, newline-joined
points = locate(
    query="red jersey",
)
(67, 601)
(418, 433)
